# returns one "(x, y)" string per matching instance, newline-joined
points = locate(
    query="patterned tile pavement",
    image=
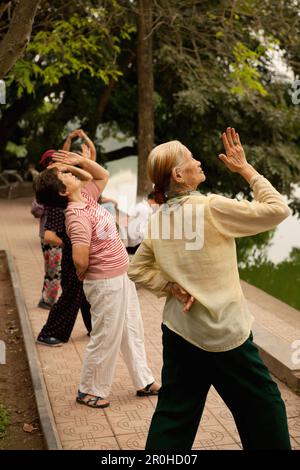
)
(125, 423)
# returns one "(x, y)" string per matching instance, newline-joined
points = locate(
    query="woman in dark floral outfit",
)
(62, 316)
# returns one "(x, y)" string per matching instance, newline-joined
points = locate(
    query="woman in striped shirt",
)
(101, 261)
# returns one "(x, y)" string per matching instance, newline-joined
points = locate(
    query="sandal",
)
(92, 402)
(146, 392)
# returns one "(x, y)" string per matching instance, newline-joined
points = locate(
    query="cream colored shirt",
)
(191, 241)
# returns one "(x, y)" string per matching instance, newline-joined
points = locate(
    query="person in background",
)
(109, 204)
(208, 342)
(101, 261)
(138, 222)
(62, 316)
(52, 259)
(30, 173)
(88, 149)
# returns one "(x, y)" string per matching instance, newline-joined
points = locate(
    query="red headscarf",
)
(46, 155)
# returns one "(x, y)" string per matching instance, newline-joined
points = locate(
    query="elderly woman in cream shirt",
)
(190, 256)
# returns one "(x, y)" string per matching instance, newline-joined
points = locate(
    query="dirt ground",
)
(16, 392)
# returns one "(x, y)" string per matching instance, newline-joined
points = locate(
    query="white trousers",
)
(116, 326)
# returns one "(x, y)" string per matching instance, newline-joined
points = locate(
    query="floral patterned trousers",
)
(52, 260)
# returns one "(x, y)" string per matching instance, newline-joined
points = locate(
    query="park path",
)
(125, 423)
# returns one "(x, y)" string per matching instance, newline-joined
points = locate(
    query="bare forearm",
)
(83, 175)
(52, 239)
(92, 148)
(93, 154)
(67, 144)
(81, 263)
(81, 266)
(96, 170)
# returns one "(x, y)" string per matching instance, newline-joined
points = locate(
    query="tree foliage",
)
(80, 42)
(213, 66)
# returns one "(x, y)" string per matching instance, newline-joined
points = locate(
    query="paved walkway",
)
(125, 423)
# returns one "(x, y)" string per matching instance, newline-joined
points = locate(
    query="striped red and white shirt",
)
(88, 223)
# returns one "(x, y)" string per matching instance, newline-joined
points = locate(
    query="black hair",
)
(151, 195)
(48, 187)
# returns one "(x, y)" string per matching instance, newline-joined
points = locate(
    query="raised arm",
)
(234, 157)
(78, 172)
(236, 218)
(91, 153)
(68, 141)
(99, 174)
(89, 143)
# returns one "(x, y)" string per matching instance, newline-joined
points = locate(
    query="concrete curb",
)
(41, 395)
(276, 354)
(275, 350)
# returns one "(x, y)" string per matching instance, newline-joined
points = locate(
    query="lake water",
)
(122, 184)
(269, 261)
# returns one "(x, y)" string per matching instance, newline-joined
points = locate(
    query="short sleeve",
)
(79, 229)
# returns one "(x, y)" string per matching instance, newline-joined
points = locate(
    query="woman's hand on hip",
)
(181, 294)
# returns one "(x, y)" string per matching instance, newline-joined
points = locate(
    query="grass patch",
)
(4, 421)
(281, 280)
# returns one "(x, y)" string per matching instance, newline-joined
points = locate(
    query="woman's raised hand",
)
(234, 157)
(67, 158)
(86, 151)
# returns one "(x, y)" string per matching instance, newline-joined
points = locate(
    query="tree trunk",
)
(105, 96)
(18, 35)
(145, 94)
(101, 107)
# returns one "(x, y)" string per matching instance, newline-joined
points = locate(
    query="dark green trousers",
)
(241, 379)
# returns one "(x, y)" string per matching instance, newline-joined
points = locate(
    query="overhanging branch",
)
(120, 153)
(18, 34)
